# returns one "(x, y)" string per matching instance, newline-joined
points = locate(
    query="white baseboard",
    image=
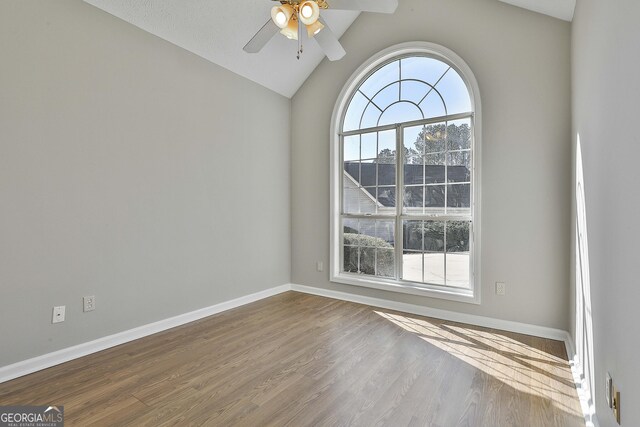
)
(452, 316)
(48, 360)
(57, 357)
(584, 394)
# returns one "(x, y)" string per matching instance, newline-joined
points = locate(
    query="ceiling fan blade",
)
(329, 43)
(379, 6)
(262, 37)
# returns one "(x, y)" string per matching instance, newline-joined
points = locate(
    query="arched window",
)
(405, 175)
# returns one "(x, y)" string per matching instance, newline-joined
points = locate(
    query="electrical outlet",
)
(608, 390)
(319, 266)
(89, 303)
(58, 314)
(616, 404)
(501, 288)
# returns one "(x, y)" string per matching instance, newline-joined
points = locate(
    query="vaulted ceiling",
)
(217, 31)
(561, 9)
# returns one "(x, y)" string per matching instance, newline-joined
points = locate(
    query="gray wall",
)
(606, 90)
(132, 170)
(522, 63)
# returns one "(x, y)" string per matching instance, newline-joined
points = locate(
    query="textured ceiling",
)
(217, 32)
(561, 9)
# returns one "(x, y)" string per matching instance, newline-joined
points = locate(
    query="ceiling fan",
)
(291, 17)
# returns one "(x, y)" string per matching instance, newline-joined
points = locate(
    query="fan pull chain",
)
(299, 41)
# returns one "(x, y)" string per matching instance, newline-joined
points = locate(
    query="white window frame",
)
(442, 292)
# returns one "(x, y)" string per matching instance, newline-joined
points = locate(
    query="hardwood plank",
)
(297, 359)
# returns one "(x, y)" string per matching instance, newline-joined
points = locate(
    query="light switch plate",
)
(608, 386)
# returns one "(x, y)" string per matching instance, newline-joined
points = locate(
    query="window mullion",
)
(446, 195)
(399, 200)
(341, 177)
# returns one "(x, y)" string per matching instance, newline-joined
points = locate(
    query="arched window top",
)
(414, 87)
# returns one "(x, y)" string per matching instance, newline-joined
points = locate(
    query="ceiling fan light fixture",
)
(314, 29)
(281, 15)
(309, 12)
(291, 30)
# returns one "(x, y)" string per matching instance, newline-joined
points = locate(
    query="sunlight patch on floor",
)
(526, 369)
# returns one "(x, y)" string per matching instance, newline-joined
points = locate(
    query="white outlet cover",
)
(89, 303)
(58, 314)
(501, 288)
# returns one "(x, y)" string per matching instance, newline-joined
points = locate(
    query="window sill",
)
(451, 294)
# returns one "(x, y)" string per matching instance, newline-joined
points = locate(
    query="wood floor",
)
(302, 360)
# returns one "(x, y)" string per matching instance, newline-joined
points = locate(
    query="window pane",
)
(385, 263)
(412, 235)
(412, 156)
(368, 145)
(434, 196)
(414, 197)
(350, 259)
(434, 252)
(354, 112)
(434, 168)
(387, 199)
(410, 136)
(355, 238)
(433, 105)
(370, 117)
(455, 93)
(412, 252)
(385, 75)
(412, 264)
(385, 232)
(459, 166)
(431, 138)
(350, 226)
(387, 140)
(387, 96)
(423, 68)
(367, 230)
(367, 260)
(399, 113)
(387, 158)
(352, 148)
(413, 174)
(459, 134)
(368, 173)
(458, 233)
(371, 201)
(351, 192)
(352, 168)
(433, 236)
(386, 174)
(434, 268)
(414, 91)
(459, 195)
